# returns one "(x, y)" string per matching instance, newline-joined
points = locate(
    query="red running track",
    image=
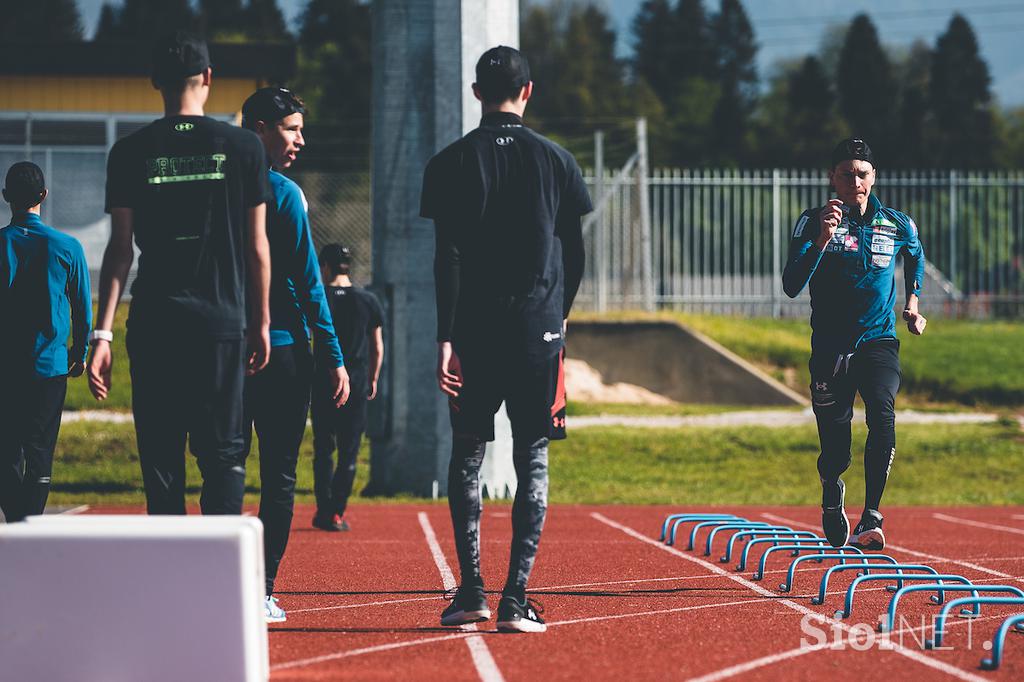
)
(620, 605)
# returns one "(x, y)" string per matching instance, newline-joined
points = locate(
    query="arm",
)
(446, 288)
(913, 277)
(258, 281)
(810, 237)
(376, 358)
(80, 297)
(117, 261)
(574, 257)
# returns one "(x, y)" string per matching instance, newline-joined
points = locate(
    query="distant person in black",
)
(192, 191)
(358, 321)
(507, 206)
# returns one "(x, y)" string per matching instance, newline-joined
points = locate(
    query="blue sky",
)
(788, 29)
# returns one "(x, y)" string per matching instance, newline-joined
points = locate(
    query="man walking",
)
(506, 205)
(277, 399)
(847, 252)
(192, 192)
(44, 296)
(358, 320)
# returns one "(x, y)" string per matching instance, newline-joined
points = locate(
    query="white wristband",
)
(101, 335)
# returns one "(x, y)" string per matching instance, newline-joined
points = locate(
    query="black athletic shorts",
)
(533, 393)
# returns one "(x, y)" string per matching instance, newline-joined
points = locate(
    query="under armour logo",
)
(495, 62)
(504, 141)
(821, 386)
(558, 422)
(551, 336)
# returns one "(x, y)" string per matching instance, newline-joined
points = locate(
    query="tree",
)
(653, 48)
(143, 20)
(960, 97)
(736, 52)
(693, 55)
(264, 22)
(864, 81)
(220, 18)
(911, 149)
(812, 124)
(41, 21)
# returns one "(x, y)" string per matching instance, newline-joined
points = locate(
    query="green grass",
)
(955, 362)
(579, 409)
(120, 398)
(935, 464)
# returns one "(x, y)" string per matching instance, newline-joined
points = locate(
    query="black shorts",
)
(533, 393)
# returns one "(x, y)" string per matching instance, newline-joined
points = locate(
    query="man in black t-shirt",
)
(192, 192)
(506, 205)
(358, 321)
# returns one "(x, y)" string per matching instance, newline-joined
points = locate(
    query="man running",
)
(277, 399)
(192, 191)
(506, 205)
(358, 320)
(847, 251)
(44, 297)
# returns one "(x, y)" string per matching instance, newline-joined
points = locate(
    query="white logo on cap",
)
(495, 62)
(504, 141)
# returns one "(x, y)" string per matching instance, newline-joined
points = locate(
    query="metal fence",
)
(719, 239)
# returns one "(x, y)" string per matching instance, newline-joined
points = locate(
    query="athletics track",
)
(621, 604)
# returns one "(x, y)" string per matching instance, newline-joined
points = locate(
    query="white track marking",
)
(978, 524)
(734, 670)
(369, 650)
(356, 606)
(658, 612)
(898, 548)
(908, 653)
(482, 658)
(80, 509)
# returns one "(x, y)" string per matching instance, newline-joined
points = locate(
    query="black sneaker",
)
(514, 616)
(469, 605)
(868, 534)
(833, 515)
(330, 522)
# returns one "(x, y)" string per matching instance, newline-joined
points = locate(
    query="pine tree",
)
(960, 97)
(220, 18)
(865, 81)
(654, 38)
(41, 21)
(263, 21)
(911, 148)
(736, 52)
(144, 20)
(812, 125)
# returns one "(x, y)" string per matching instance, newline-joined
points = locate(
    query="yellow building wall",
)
(105, 94)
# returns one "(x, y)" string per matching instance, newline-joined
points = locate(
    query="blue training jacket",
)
(44, 296)
(297, 296)
(853, 280)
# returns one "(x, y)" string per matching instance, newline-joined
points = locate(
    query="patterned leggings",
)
(528, 510)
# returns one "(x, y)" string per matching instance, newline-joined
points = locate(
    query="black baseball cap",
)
(270, 105)
(24, 185)
(502, 69)
(333, 255)
(178, 55)
(852, 148)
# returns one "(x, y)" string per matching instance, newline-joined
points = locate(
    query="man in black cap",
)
(44, 298)
(359, 321)
(507, 206)
(277, 399)
(847, 252)
(192, 191)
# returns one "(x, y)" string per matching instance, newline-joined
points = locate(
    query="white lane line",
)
(356, 606)
(369, 650)
(80, 509)
(908, 653)
(482, 658)
(658, 612)
(978, 524)
(898, 548)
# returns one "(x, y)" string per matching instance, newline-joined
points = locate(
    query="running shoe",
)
(469, 605)
(868, 534)
(514, 616)
(833, 515)
(273, 612)
(331, 523)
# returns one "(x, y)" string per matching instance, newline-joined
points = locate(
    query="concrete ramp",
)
(677, 362)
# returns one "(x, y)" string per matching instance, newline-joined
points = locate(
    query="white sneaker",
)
(273, 612)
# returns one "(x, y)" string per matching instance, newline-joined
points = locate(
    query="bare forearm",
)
(377, 353)
(117, 261)
(258, 276)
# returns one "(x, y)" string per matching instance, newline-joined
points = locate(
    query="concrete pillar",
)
(424, 54)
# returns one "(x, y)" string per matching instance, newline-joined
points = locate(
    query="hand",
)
(831, 216)
(340, 387)
(259, 349)
(100, 362)
(915, 321)
(373, 390)
(76, 369)
(449, 369)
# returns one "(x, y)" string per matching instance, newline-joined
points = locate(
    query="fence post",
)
(952, 228)
(600, 233)
(644, 208)
(776, 244)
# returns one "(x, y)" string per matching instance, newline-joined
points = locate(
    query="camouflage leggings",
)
(528, 510)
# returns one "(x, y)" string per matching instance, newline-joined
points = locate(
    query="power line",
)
(889, 15)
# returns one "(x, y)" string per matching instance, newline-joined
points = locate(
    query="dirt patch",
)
(585, 384)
